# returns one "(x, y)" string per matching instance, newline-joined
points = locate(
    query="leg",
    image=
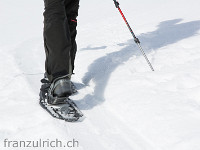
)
(71, 7)
(57, 40)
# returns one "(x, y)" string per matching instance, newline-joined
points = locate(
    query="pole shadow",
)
(168, 32)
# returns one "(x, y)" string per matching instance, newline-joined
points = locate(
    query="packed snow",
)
(126, 105)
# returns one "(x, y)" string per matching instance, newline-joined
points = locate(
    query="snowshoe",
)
(54, 99)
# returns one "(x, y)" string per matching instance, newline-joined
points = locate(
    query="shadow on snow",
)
(93, 48)
(168, 32)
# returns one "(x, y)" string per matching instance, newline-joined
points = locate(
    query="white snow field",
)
(126, 105)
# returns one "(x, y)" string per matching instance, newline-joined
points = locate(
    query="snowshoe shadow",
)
(79, 85)
(168, 32)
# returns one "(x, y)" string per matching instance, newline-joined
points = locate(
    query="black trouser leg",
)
(58, 38)
(71, 7)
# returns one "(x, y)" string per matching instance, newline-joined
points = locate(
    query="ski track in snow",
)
(126, 105)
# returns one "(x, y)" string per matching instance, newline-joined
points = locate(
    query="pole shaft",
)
(145, 56)
(135, 38)
(129, 27)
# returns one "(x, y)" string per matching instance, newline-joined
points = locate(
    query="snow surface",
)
(127, 106)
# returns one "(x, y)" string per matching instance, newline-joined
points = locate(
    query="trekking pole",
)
(137, 41)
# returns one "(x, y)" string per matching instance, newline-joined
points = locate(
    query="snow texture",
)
(127, 106)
